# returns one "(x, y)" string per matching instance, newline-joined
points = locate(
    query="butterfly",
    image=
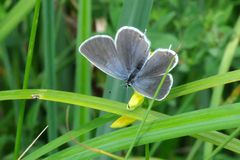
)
(128, 58)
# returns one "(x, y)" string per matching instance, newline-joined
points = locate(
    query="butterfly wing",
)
(151, 74)
(147, 86)
(158, 63)
(132, 48)
(100, 50)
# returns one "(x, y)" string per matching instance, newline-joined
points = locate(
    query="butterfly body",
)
(133, 75)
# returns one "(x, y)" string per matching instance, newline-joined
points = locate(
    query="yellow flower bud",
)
(135, 101)
(123, 121)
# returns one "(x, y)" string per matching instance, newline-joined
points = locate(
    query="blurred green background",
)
(199, 29)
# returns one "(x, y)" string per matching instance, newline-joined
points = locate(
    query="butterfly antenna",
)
(145, 31)
(170, 46)
(179, 47)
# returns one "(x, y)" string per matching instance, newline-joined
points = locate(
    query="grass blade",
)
(194, 149)
(234, 134)
(224, 67)
(15, 16)
(204, 83)
(9, 70)
(49, 63)
(108, 105)
(83, 70)
(136, 13)
(69, 136)
(26, 79)
(162, 129)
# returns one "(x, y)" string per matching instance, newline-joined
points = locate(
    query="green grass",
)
(26, 80)
(14, 17)
(42, 73)
(223, 68)
(49, 49)
(83, 69)
(173, 127)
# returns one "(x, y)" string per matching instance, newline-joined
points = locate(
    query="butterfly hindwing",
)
(147, 86)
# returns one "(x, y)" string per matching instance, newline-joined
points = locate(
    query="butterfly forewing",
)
(101, 52)
(132, 48)
(147, 86)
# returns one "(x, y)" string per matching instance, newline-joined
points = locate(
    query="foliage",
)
(206, 36)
